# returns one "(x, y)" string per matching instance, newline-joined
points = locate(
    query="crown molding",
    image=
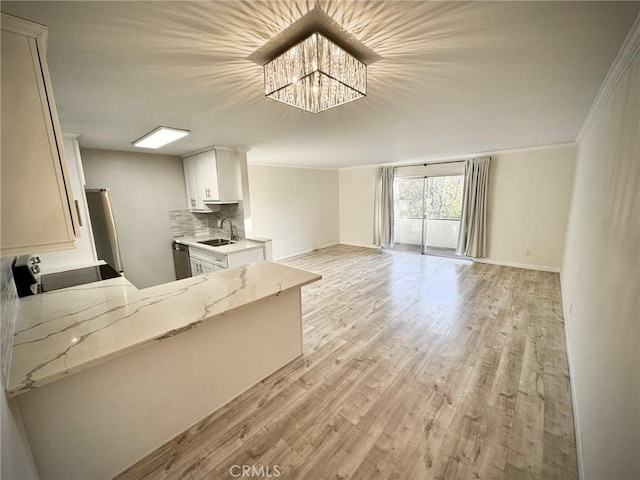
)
(214, 147)
(462, 158)
(628, 51)
(287, 165)
(24, 27)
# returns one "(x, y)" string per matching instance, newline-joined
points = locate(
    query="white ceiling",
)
(453, 77)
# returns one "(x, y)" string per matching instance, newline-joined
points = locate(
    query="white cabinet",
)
(244, 257)
(211, 178)
(200, 267)
(208, 176)
(190, 176)
(206, 261)
(228, 176)
(200, 174)
(85, 251)
(195, 266)
(207, 267)
(38, 209)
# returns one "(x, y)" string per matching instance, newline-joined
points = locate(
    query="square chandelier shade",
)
(315, 75)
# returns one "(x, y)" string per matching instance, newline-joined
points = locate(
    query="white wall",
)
(296, 207)
(529, 199)
(357, 186)
(601, 285)
(144, 187)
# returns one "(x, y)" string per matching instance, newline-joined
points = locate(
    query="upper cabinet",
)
(84, 252)
(191, 183)
(211, 178)
(228, 173)
(37, 206)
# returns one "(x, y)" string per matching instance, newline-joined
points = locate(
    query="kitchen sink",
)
(216, 242)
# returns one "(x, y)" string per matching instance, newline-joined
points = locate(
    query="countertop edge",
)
(220, 250)
(19, 389)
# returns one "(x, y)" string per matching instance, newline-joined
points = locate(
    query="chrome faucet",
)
(233, 235)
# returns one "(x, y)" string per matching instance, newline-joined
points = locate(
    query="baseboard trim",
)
(302, 252)
(362, 245)
(576, 417)
(542, 268)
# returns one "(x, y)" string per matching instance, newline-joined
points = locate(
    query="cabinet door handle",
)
(78, 212)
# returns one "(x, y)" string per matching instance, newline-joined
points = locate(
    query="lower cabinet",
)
(207, 267)
(200, 267)
(205, 261)
(247, 256)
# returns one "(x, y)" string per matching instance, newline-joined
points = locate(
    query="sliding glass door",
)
(409, 213)
(427, 213)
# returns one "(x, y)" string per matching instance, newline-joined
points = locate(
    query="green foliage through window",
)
(442, 197)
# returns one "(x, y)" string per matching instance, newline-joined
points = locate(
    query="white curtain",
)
(472, 239)
(383, 208)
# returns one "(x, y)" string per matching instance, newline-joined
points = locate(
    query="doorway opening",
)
(428, 210)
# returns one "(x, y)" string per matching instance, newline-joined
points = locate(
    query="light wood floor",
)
(414, 367)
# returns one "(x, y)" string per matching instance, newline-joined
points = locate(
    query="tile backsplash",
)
(184, 223)
(8, 314)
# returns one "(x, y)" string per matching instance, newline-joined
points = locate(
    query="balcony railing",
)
(441, 232)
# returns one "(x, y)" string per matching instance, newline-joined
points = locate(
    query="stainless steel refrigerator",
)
(104, 227)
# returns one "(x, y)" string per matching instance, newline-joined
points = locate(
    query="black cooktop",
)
(80, 276)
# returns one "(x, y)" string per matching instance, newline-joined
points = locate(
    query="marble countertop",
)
(259, 239)
(237, 246)
(69, 330)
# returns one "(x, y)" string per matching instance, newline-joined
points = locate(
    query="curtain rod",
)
(426, 164)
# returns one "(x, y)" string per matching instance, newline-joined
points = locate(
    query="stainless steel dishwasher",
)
(181, 260)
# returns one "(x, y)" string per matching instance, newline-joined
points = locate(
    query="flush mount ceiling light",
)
(315, 75)
(159, 137)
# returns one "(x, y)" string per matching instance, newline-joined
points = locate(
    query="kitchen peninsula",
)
(105, 373)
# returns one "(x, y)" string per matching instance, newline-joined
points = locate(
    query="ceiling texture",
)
(449, 78)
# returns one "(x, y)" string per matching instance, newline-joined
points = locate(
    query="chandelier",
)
(315, 75)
